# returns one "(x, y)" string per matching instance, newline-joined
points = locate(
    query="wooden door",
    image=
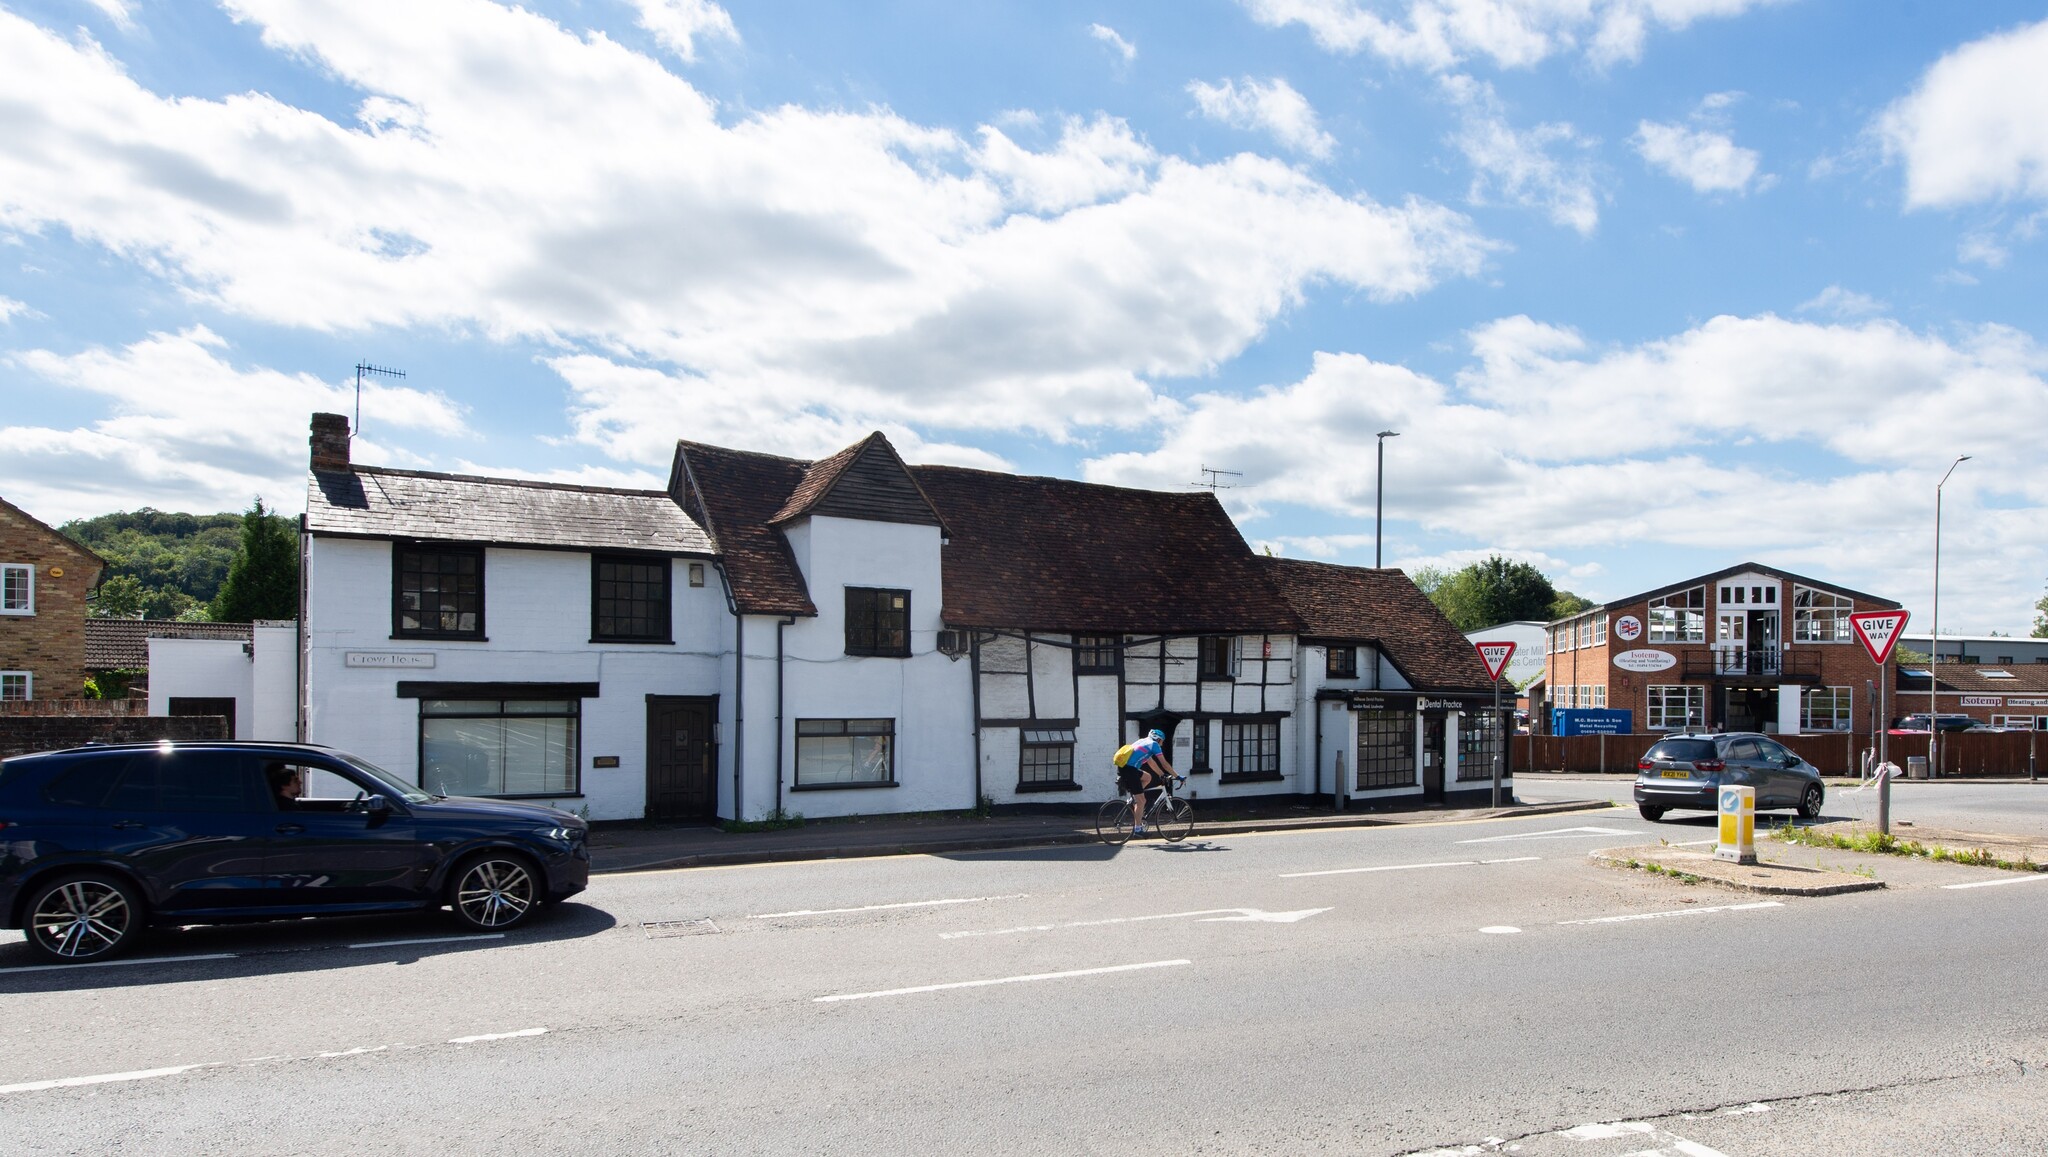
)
(681, 758)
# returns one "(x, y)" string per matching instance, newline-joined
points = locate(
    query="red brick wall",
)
(50, 644)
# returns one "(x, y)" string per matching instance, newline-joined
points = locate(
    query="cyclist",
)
(1140, 766)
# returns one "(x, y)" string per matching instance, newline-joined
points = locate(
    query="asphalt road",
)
(1464, 988)
(2014, 808)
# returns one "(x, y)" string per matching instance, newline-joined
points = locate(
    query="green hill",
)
(160, 565)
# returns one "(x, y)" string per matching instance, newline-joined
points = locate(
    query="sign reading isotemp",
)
(1646, 659)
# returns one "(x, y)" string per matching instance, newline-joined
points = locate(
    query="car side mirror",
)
(377, 806)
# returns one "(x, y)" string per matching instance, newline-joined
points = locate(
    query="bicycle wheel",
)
(1176, 819)
(1113, 821)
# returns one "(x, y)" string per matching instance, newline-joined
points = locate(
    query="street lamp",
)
(1379, 492)
(1934, 630)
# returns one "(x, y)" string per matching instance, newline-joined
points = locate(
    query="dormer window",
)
(877, 622)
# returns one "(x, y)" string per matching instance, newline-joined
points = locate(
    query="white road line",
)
(103, 1078)
(1003, 980)
(470, 1040)
(1214, 915)
(1678, 912)
(116, 963)
(1696, 843)
(427, 940)
(1406, 867)
(1998, 883)
(884, 907)
(1554, 834)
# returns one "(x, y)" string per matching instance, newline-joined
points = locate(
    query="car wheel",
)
(1653, 814)
(1809, 804)
(493, 891)
(91, 916)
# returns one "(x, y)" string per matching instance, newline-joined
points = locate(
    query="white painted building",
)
(840, 637)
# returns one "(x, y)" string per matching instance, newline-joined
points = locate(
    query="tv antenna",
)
(361, 369)
(1213, 479)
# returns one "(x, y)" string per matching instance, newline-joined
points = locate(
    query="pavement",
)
(649, 847)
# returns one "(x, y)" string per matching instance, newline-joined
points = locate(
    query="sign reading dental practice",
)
(1646, 659)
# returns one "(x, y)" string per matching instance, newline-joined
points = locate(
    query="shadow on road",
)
(171, 956)
(1065, 853)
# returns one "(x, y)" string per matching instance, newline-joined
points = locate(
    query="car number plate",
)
(1677, 775)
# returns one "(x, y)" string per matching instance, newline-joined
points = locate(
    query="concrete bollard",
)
(1738, 825)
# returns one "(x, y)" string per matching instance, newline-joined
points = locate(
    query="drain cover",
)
(665, 929)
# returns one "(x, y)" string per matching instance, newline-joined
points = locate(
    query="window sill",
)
(878, 654)
(840, 786)
(1062, 785)
(1252, 777)
(440, 638)
(29, 614)
(600, 642)
(1201, 771)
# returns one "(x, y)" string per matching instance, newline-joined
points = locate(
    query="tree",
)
(1496, 590)
(2041, 620)
(1567, 604)
(263, 579)
(126, 597)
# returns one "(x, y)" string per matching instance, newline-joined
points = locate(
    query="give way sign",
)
(1495, 656)
(1879, 631)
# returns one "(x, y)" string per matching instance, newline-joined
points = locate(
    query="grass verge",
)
(1882, 843)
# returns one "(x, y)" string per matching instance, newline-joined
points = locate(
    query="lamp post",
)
(1934, 631)
(1379, 491)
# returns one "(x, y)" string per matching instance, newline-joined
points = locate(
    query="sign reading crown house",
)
(413, 660)
(1646, 659)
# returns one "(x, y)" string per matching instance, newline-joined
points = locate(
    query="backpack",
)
(1127, 754)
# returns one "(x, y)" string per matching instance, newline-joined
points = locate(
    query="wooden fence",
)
(1964, 754)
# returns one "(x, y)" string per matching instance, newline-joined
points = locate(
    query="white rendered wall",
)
(537, 627)
(274, 673)
(203, 669)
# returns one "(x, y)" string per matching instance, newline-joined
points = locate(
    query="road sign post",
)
(1879, 633)
(1496, 656)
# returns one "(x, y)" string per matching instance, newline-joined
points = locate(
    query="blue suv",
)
(97, 843)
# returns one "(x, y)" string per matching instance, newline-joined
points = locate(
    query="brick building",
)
(44, 581)
(2009, 695)
(1749, 648)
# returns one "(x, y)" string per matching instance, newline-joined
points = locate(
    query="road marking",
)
(1407, 867)
(1679, 912)
(1998, 883)
(1501, 930)
(1004, 980)
(103, 1078)
(117, 963)
(470, 1040)
(1555, 834)
(1213, 916)
(1696, 843)
(885, 907)
(427, 940)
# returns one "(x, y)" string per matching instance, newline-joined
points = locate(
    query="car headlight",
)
(561, 835)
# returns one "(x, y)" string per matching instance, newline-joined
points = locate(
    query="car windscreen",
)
(1681, 750)
(406, 791)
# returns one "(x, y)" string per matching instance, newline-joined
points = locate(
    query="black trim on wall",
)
(420, 689)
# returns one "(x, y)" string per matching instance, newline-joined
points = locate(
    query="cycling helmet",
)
(1156, 735)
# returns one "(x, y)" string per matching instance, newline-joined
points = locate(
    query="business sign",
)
(2026, 702)
(1980, 700)
(1495, 656)
(1628, 628)
(411, 660)
(1591, 721)
(1646, 660)
(1879, 632)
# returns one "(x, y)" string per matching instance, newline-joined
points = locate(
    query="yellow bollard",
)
(1738, 825)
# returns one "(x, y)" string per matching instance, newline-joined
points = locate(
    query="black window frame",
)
(1198, 755)
(1480, 735)
(1216, 658)
(818, 731)
(454, 693)
(1332, 669)
(1090, 652)
(663, 628)
(1393, 763)
(867, 621)
(1247, 738)
(1047, 744)
(398, 572)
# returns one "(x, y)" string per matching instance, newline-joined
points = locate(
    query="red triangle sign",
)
(1879, 631)
(1495, 656)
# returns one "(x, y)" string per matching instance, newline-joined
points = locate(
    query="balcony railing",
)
(1764, 664)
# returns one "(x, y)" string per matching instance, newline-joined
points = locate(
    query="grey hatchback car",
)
(1685, 772)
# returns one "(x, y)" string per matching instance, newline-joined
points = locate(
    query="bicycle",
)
(1171, 816)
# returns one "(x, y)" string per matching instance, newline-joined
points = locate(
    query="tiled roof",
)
(1053, 554)
(739, 494)
(375, 502)
(1385, 608)
(111, 644)
(817, 479)
(2029, 679)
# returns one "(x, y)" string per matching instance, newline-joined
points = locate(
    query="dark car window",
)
(1773, 752)
(87, 781)
(187, 781)
(1682, 750)
(1744, 749)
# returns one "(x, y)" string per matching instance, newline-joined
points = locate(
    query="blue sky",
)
(1649, 287)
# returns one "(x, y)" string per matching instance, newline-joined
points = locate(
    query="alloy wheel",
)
(496, 892)
(82, 919)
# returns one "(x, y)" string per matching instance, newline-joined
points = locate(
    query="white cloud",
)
(1441, 34)
(1545, 445)
(1982, 249)
(1843, 303)
(1708, 160)
(1544, 167)
(679, 24)
(511, 177)
(10, 309)
(1973, 130)
(1271, 106)
(120, 12)
(1123, 48)
(189, 430)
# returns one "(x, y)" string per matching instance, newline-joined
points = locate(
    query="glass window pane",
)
(459, 706)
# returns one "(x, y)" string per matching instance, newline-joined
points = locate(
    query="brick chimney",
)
(330, 442)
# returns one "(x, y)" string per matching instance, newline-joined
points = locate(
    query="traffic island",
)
(1767, 878)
